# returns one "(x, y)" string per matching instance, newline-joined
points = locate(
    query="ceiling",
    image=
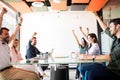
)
(25, 6)
(112, 4)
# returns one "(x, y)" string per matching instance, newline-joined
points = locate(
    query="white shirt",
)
(4, 55)
(94, 49)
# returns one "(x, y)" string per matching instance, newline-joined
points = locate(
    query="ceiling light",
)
(37, 4)
(56, 1)
(8, 7)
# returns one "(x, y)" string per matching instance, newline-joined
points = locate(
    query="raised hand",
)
(1, 15)
(35, 33)
(20, 19)
(80, 28)
(95, 13)
(100, 21)
(87, 30)
(73, 31)
(4, 10)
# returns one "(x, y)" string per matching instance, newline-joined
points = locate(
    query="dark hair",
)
(84, 41)
(116, 21)
(16, 39)
(3, 28)
(93, 35)
(34, 37)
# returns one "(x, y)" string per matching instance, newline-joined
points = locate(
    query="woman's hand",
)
(85, 56)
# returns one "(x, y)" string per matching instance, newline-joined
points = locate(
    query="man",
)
(32, 51)
(112, 70)
(7, 71)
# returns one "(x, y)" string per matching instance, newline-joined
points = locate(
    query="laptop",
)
(51, 54)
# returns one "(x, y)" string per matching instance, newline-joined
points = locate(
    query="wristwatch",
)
(93, 58)
(19, 24)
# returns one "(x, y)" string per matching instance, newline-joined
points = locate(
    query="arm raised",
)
(75, 37)
(1, 15)
(84, 35)
(16, 29)
(35, 33)
(102, 24)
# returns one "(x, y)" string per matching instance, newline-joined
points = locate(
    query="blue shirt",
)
(32, 51)
(83, 49)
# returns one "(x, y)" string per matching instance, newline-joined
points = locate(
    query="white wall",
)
(55, 30)
(106, 42)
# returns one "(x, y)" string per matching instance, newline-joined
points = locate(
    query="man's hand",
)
(4, 10)
(1, 15)
(20, 20)
(35, 33)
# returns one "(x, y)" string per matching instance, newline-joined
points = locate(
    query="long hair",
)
(86, 44)
(93, 35)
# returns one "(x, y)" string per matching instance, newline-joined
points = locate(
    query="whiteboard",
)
(54, 30)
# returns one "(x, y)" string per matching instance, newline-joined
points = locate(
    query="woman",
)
(94, 46)
(93, 50)
(15, 55)
(83, 47)
(92, 41)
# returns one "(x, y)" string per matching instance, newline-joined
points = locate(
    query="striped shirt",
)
(4, 55)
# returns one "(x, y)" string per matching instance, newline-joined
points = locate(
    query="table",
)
(56, 61)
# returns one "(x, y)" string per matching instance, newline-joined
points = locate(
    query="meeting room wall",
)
(54, 30)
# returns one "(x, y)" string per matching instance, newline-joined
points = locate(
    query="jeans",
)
(102, 74)
(77, 72)
(86, 67)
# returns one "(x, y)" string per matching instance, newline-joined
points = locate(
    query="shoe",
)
(45, 76)
(76, 76)
(41, 77)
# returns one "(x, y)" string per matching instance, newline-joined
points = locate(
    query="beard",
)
(5, 40)
(114, 32)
